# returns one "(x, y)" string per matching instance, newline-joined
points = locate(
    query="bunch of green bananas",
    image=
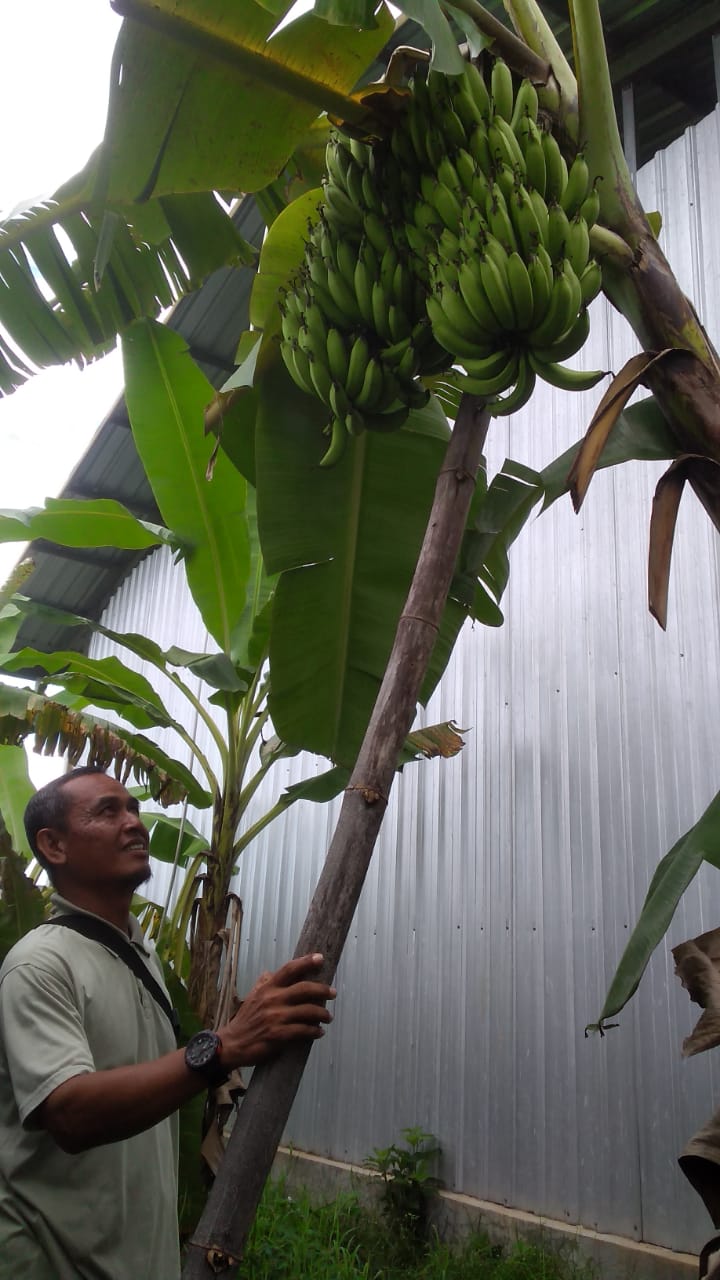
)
(505, 230)
(461, 239)
(355, 331)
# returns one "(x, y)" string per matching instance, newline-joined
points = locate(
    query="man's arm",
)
(106, 1106)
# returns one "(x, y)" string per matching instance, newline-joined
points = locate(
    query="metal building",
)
(506, 881)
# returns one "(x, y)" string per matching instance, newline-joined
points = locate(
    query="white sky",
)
(53, 95)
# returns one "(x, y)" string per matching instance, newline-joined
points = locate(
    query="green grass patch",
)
(295, 1238)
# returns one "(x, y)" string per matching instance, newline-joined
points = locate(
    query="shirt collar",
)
(62, 907)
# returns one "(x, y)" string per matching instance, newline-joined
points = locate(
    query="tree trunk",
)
(217, 1243)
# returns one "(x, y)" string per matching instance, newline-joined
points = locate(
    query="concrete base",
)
(457, 1216)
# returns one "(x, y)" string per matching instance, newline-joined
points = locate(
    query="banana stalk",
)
(645, 291)
(643, 288)
(559, 95)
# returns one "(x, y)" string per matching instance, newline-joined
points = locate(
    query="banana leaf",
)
(166, 396)
(69, 522)
(672, 877)
(106, 682)
(15, 791)
(73, 277)
(56, 728)
(212, 97)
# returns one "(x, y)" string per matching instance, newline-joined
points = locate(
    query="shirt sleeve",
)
(43, 1035)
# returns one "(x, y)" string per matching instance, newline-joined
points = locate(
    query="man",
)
(90, 1078)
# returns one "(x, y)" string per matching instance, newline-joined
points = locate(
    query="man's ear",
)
(51, 844)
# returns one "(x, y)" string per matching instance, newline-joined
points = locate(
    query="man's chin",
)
(140, 876)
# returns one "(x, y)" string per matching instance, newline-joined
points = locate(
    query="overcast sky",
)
(53, 96)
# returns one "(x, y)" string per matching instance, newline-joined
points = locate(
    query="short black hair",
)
(49, 806)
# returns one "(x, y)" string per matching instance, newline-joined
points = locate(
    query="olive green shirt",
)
(69, 1005)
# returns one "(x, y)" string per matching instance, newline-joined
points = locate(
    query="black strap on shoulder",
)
(98, 931)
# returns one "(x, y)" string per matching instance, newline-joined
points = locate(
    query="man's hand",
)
(285, 1005)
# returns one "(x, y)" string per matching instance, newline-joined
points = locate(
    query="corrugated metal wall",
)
(505, 882)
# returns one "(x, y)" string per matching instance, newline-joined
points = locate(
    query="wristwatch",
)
(202, 1054)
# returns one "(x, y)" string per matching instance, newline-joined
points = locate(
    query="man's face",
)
(103, 842)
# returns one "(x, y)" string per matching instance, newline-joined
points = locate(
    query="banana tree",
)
(240, 62)
(212, 527)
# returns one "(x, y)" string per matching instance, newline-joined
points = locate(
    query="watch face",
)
(201, 1049)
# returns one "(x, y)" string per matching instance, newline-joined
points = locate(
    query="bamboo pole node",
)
(370, 794)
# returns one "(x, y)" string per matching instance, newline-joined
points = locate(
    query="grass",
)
(295, 1239)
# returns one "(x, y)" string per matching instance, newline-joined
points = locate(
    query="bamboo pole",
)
(216, 1246)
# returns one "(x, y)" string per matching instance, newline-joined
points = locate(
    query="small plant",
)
(408, 1182)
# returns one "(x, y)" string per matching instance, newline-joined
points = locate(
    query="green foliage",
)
(341, 1240)
(672, 877)
(408, 1183)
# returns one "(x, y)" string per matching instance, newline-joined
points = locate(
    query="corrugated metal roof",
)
(663, 48)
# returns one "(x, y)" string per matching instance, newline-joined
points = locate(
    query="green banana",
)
(524, 219)
(339, 402)
(496, 287)
(447, 205)
(346, 256)
(452, 127)
(454, 340)
(320, 377)
(577, 246)
(520, 394)
(479, 148)
(338, 441)
(342, 294)
(501, 89)
(590, 207)
(534, 154)
(558, 316)
(380, 312)
(541, 290)
(465, 106)
(354, 424)
(370, 393)
(558, 375)
(466, 170)
(541, 212)
(397, 323)
(448, 174)
(337, 160)
(526, 104)
(494, 385)
(346, 216)
(357, 366)
(362, 284)
(297, 366)
(558, 232)
(578, 186)
(499, 221)
(555, 168)
(591, 281)
(520, 291)
(500, 134)
(568, 344)
(352, 186)
(477, 89)
(376, 231)
(485, 322)
(489, 366)
(314, 324)
(337, 357)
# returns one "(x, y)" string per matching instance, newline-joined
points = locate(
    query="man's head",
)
(85, 830)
